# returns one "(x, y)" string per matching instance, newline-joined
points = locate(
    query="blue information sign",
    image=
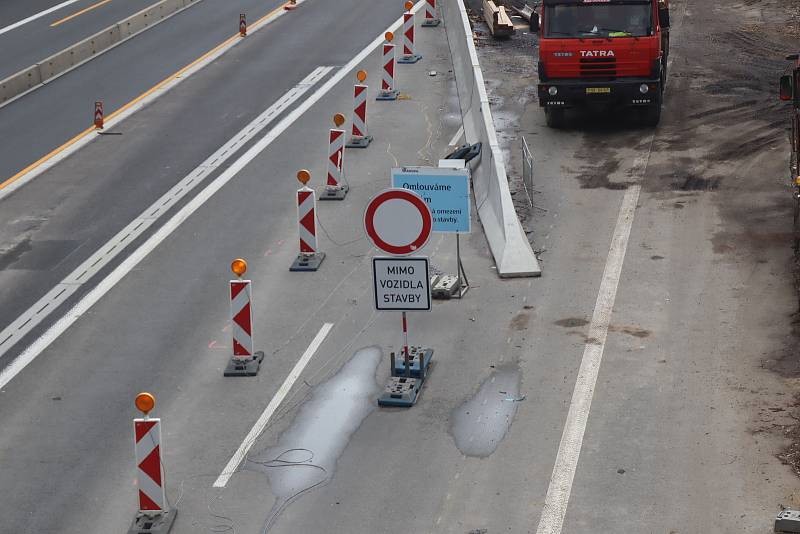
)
(446, 191)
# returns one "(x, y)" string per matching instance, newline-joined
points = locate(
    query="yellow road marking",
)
(133, 102)
(81, 12)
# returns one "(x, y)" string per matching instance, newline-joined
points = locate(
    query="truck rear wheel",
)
(554, 117)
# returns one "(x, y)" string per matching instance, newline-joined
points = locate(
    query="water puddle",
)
(481, 423)
(306, 453)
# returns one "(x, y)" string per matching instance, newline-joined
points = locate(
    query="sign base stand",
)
(335, 193)
(448, 286)
(388, 95)
(413, 58)
(430, 23)
(307, 262)
(788, 521)
(405, 384)
(361, 141)
(244, 366)
(153, 523)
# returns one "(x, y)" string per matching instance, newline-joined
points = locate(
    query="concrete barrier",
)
(62, 62)
(512, 252)
(21, 82)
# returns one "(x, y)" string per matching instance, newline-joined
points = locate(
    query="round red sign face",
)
(398, 221)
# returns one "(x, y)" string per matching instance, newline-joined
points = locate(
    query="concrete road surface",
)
(683, 227)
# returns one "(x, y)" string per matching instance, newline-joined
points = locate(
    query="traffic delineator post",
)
(431, 14)
(359, 138)
(245, 360)
(153, 513)
(290, 5)
(388, 90)
(98, 115)
(408, 55)
(336, 187)
(242, 25)
(310, 258)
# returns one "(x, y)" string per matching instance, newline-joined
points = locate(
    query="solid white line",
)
(29, 354)
(36, 16)
(569, 450)
(46, 305)
(457, 137)
(273, 405)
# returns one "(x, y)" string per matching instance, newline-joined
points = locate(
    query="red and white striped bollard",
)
(388, 91)
(359, 137)
(336, 186)
(309, 258)
(242, 25)
(245, 361)
(431, 14)
(98, 115)
(409, 19)
(150, 483)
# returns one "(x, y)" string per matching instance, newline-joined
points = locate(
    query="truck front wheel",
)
(554, 117)
(652, 114)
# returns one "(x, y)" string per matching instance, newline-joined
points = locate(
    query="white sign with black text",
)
(401, 284)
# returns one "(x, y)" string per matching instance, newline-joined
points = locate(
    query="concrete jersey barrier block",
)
(510, 248)
(22, 81)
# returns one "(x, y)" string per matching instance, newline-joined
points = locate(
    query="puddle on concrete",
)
(306, 454)
(481, 423)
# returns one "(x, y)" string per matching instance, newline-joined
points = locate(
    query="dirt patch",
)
(634, 331)
(520, 321)
(571, 322)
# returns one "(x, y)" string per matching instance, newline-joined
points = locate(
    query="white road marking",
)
(36, 16)
(569, 450)
(115, 246)
(29, 354)
(271, 408)
(457, 137)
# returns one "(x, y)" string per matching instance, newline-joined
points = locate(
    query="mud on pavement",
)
(723, 140)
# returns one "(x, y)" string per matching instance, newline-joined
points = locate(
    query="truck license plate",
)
(597, 90)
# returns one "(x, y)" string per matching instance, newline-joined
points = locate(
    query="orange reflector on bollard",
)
(145, 402)
(239, 267)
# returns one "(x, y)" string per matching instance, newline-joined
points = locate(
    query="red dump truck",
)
(603, 54)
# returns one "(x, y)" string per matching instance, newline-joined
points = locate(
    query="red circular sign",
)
(398, 221)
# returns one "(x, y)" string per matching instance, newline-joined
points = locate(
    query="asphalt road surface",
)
(30, 31)
(685, 228)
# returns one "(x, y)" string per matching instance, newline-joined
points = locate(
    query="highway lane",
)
(61, 218)
(45, 119)
(40, 38)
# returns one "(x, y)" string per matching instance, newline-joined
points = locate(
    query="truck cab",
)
(603, 54)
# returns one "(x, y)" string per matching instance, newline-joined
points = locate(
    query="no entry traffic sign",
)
(398, 221)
